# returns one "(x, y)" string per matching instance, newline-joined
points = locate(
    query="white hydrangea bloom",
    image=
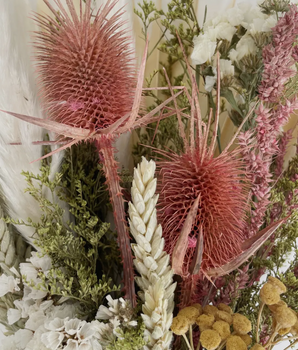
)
(8, 284)
(204, 49)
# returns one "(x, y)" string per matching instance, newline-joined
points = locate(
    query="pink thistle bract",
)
(222, 186)
(86, 67)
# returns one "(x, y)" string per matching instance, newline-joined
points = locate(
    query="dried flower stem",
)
(258, 322)
(186, 341)
(110, 167)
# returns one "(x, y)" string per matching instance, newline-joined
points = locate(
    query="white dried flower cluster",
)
(119, 313)
(223, 27)
(151, 261)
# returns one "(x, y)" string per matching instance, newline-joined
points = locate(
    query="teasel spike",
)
(152, 263)
(216, 122)
(194, 86)
(181, 128)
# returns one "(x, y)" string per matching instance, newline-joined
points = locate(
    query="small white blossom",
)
(223, 31)
(8, 284)
(52, 340)
(262, 25)
(245, 46)
(203, 50)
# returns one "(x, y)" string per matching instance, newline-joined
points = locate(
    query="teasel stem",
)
(110, 166)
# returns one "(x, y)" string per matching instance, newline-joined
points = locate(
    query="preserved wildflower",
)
(285, 317)
(199, 307)
(234, 342)
(210, 310)
(205, 322)
(180, 325)
(224, 316)
(277, 284)
(241, 324)
(257, 347)
(191, 313)
(246, 338)
(269, 294)
(224, 307)
(210, 339)
(222, 328)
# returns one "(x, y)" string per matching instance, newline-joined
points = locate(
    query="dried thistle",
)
(93, 115)
(203, 203)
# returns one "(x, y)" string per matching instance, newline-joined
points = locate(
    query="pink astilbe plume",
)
(260, 146)
(91, 93)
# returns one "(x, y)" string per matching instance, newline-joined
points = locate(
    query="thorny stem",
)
(258, 322)
(105, 147)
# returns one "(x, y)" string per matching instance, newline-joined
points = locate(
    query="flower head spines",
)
(86, 67)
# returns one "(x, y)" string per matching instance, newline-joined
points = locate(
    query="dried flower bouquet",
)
(203, 224)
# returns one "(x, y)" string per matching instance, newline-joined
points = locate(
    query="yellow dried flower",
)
(285, 317)
(210, 339)
(205, 322)
(199, 307)
(277, 284)
(222, 328)
(234, 342)
(224, 316)
(257, 347)
(294, 329)
(180, 325)
(269, 294)
(191, 313)
(241, 324)
(246, 338)
(275, 306)
(224, 307)
(283, 331)
(210, 310)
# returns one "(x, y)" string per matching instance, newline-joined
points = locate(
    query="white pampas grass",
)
(18, 94)
(152, 262)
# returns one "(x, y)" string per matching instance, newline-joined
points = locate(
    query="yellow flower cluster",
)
(216, 325)
(285, 320)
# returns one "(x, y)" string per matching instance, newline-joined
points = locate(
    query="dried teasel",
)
(203, 203)
(92, 93)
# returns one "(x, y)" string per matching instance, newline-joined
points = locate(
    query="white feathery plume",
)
(18, 94)
(151, 261)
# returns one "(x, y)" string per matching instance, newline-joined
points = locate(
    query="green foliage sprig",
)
(83, 249)
(131, 338)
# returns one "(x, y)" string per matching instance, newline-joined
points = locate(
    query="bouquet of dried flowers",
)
(196, 229)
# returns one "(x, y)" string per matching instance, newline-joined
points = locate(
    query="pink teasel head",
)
(204, 199)
(86, 67)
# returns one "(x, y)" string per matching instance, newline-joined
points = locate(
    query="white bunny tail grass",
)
(151, 261)
(18, 94)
